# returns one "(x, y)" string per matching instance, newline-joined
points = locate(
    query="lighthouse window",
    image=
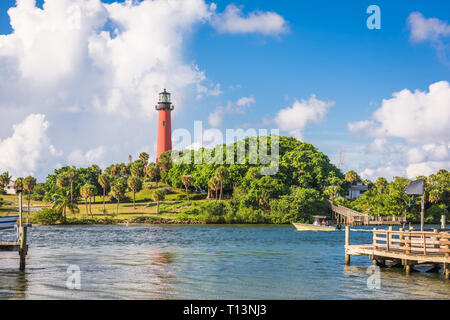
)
(164, 123)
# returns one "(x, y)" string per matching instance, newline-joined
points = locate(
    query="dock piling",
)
(347, 243)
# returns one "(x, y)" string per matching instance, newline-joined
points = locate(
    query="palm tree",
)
(144, 158)
(71, 177)
(118, 190)
(153, 172)
(62, 203)
(187, 180)
(221, 175)
(137, 169)
(92, 190)
(135, 184)
(5, 179)
(104, 180)
(18, 185)
(62, 180)
(28, 186)
(213, 184)
(84, 191)
(158, 196)
(114, 170)
(352, 177)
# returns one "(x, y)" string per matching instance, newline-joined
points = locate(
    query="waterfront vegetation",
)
(143, 192)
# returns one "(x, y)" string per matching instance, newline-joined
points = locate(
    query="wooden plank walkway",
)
(347, 216)
(405, 248)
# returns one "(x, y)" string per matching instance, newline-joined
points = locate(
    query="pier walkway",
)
(346, 216)
(405, 249)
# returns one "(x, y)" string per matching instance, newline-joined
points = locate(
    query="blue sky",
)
(327, 51)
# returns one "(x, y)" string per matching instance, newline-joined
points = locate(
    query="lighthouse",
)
(164, 108)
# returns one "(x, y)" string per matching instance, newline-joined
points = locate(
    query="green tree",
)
(187, 181)
(135, 185)
(213, 185)
(63, 202)
(137, 169)
(352, 177)
(28, 186)
(85, 194)
(153, 173)
(5, 179)
(18, 185)
(221, 174)
(382, 185)
(118, 191)
(144, 158)
(298, 206)
(158, 196)
(104, 180)
(71, 176)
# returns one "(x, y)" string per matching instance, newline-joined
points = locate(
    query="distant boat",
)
(8, 222)
(316, 226)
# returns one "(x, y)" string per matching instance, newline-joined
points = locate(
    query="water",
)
(201, 262)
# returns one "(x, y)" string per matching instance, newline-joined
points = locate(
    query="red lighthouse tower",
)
(164, 108)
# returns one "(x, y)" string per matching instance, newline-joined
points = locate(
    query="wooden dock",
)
(346, 216)
(20, 245)
(405, 249)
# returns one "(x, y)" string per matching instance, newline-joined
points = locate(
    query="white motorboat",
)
(8, 222)
(316, 226)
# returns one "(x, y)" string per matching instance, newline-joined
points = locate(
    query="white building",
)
(10, 188)
(356, 191)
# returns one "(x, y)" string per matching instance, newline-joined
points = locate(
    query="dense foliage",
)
(238, 192)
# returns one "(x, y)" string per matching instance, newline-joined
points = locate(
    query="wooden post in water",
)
(422, 212)
(443, 222)
(347, 243)
(23, 247)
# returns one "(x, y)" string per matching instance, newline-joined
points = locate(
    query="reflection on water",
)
(202, 262)
(13, 284)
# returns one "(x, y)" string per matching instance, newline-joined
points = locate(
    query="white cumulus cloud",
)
(233, 21)
(295, 119)
(28, 148)
(431, 30)
(94, 70)
(426, 29)
(413, 128)
(216, 118)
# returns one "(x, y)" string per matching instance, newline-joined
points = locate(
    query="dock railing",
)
(412, 242)
(355, 218)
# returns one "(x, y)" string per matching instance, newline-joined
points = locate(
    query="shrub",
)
(47, 216)
(434, 213)
(38, 192)
(191, 211)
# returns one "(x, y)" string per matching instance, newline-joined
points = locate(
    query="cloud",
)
(423, 29)
(419, 116)
(93, 156)
(216, 118)
(28, 149)
(94, 70)
(295, 119)
(246, 101)
(233, 21)
(411, 129)
(430, 30)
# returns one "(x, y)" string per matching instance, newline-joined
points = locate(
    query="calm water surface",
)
(201, 262)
